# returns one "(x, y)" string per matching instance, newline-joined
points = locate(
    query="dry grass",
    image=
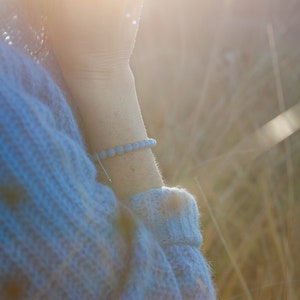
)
(210, 74)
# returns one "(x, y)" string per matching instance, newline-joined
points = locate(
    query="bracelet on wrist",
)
(120, 150)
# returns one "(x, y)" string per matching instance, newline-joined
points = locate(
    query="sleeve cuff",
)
(171, 214)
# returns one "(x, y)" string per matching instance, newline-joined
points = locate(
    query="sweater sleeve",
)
(65, 236)
(171, 215)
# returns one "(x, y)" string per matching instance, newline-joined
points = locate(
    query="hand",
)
(92, 38)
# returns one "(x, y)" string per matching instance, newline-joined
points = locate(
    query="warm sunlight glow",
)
(280, 128)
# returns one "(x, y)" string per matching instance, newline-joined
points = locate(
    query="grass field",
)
(219, 83)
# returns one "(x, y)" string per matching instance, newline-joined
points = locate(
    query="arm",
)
(112, 117)
(98, 75)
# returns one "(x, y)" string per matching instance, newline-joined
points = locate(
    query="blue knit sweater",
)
(63, 235)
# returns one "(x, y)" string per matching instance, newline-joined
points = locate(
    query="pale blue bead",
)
(152, 143)
(111, 152)
(128, 148)
(103, 155)
(120, 150)
(142, 144)
(135, 146)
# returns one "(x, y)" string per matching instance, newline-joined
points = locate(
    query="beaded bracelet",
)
(119, 150)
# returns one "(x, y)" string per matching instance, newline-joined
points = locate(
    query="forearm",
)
(111, 116)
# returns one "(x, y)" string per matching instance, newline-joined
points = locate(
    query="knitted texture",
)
(65, 236)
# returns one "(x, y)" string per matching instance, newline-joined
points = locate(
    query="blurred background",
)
(219, 84)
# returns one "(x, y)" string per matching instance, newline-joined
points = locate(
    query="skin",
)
(93, 42)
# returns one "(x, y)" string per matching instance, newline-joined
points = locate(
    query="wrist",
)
(109, 109)
(131, 173)
(96, 72)
(100, 87)
(111, 115)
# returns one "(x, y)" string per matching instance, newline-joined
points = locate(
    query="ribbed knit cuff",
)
(171, 214)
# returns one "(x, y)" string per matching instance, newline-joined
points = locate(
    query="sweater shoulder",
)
(18, 68)
(19, 73)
